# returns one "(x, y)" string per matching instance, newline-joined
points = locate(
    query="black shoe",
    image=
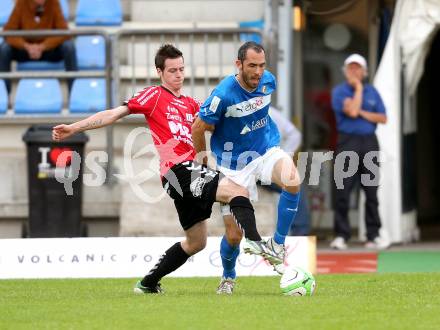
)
(139, 288)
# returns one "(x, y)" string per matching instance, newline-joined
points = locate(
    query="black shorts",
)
(193, 187)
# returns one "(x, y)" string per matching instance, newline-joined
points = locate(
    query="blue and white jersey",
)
(243, 128)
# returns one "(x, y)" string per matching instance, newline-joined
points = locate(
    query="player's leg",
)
(175, 257)
(242, 210)
(181, 183)
(243, 214)
(282, 171)
(230, 246)
(286, 176)
(229, 251)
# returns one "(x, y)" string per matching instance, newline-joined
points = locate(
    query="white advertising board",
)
(130, 257)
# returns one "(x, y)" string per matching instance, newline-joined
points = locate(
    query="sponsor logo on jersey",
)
(171, 116)
(214, 104)
(179, 105)
(248, 107)
(189, 117)
(256, 124)
(259, 123)
(245, 130)
(172, 109)
(180, 132)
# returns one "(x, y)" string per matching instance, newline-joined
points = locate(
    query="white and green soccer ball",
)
(297, 282)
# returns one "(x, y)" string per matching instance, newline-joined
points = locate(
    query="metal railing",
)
(106, 73)
(208, 38)
(198, 47)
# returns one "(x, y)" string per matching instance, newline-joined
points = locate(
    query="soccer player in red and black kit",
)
(193, 187)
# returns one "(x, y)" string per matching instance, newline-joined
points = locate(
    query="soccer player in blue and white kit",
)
(246, 141)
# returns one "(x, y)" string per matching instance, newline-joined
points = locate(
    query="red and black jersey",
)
(169, 118)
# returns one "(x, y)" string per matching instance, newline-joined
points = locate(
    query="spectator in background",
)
(290, 140)
(358, 108)
(36, 15)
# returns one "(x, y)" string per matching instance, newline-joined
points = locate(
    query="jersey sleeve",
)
(212, 109)
(144, 102)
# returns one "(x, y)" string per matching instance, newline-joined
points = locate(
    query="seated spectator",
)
(36, 15)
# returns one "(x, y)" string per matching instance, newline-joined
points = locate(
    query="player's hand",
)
(62, 132)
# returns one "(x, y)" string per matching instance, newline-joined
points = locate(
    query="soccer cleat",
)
(140, 289)
(226, 286)
(338, 243)
(280, 251)
(280, 269)
(260, 248)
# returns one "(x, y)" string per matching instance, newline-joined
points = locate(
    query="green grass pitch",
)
(371, 301)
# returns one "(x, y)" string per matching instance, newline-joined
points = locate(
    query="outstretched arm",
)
(100, 119)
(199, 128)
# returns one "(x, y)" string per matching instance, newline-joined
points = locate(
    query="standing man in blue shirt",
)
(358, 108)
(246, 142)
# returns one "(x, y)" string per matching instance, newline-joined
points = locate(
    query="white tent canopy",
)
(417, 28)
(415, 23)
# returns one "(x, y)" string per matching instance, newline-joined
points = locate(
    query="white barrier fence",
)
(130, 257)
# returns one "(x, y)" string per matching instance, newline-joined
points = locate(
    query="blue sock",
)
(287, 208)
(229, 256)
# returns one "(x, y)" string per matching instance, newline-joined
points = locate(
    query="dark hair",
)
(166, 51)
(242, 51)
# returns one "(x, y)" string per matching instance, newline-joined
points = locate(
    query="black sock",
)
(244, 215)
(172, 259)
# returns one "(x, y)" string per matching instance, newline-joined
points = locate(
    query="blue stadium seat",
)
(90, 52)
(65, 8)
(3, 97)
(98, 12)
(259, 24)
(40, 65)
(87, 95)
(38, 96)
(6, 7)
